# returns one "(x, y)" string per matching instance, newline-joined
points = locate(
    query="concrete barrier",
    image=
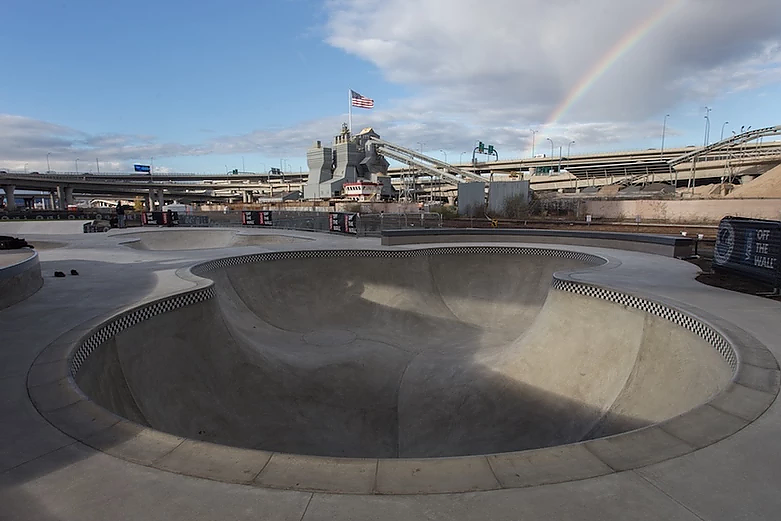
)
(70, 227)
(667, 245)
(20, 276)
(686, 211)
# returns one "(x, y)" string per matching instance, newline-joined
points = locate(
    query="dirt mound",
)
(767, 186)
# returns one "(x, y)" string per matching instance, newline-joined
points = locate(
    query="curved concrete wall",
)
(43, 227)
(584, 362)
(20, 276)
(667, 245)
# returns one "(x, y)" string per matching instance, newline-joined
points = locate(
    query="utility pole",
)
(664, 130)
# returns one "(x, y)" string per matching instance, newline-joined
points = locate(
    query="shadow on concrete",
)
(397, 376)
(32, 449)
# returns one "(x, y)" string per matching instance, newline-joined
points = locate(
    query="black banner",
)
(751, 247)
(256, 218)
(168, 218)
(343, 223)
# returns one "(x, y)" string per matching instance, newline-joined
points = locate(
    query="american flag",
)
(361, 101)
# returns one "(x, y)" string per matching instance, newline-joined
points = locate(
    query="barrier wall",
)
(684, 211)
(20, 276)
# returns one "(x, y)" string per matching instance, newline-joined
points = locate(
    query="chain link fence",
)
(366, 225)
(371, 225)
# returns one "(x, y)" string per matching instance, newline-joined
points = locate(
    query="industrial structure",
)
(360, 162)
(352, 161)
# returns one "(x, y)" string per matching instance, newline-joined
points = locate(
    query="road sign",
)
(142, 168)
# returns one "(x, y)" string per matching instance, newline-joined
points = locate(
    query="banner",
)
(751, 247)
(168, 218)
(343, 223)
(256, 218)
(142, 168)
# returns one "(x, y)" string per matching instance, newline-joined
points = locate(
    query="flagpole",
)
(350, 110)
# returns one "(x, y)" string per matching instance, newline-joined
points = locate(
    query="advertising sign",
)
(343, 223)
(751, 247)
(256, 218)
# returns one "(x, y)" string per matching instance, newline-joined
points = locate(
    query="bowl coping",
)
(753, 387)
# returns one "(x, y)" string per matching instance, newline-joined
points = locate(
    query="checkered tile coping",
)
(703, 331)
(396, 254)
(147, 311)
(130, 319)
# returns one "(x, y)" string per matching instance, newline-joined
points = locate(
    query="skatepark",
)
(202, 374)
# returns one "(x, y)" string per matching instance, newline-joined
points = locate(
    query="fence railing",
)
(362, 225)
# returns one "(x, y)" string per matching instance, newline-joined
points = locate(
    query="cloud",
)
(527, 56)
(26, 140)
(490, 70)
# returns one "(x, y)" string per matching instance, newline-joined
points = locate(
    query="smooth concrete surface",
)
(9, 258)
(20, 276)
(429, 356)
(42, 227)
(667, 245)
(199, 239)
(46, 474)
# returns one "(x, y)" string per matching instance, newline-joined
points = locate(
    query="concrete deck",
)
(47, 474)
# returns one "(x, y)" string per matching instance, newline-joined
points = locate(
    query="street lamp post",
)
(707, 126)
(242, 165)
(444, 153)
(420, 147)
(569, 146)
(534, 135)
(722, 130)
(461, 157)
(25, 167)
(551, 146)
(664, 131)
(77, 165)
(48, 168)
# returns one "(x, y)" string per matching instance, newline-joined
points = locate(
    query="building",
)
(352, 161)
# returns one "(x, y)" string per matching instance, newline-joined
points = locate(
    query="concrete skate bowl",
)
(319, 360)
(20, 276)
(179, 240)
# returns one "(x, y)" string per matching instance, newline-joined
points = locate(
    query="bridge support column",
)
(10, 202)
(61, 198)
(150, 201)
(68, 195)
(52, 206)
(160, 199)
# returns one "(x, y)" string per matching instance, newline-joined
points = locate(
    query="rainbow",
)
(621, 47)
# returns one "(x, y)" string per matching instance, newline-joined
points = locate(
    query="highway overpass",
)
(427, 178)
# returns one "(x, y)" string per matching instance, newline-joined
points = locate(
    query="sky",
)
(209, 86)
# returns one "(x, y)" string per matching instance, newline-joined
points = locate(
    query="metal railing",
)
(366, 225)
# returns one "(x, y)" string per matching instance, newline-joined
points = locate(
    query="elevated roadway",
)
(726, 160)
